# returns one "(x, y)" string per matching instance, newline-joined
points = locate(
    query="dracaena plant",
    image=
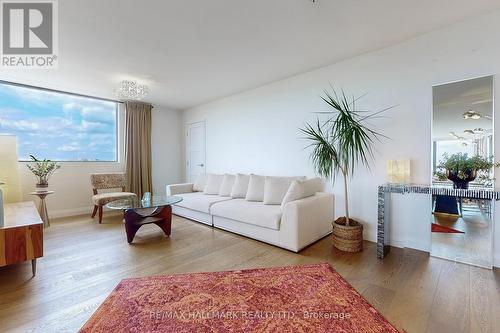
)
(42, 169)
(342, 141)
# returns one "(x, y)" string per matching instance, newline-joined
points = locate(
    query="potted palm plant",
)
(43, 170)
(339, 144)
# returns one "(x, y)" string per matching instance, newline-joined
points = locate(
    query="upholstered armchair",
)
(107, 181)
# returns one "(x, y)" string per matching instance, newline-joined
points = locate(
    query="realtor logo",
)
(29, 33)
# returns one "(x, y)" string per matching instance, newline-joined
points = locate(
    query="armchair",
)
(107, 181)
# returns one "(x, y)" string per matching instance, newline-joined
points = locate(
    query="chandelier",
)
(471, 114)
(131, 90)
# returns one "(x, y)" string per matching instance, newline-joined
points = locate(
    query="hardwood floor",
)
(473, 246)
(84, 261)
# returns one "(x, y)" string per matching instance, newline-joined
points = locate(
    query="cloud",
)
(36, 96)
(69, 148)
(58, 126)
(12, 113)
(70, 106)
(92, 125)
(98, 113)
(18, 125)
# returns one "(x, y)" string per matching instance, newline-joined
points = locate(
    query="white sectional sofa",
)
(289, 212)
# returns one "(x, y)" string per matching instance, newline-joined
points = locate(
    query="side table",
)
(42, 208)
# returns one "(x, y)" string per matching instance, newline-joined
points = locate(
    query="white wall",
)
(166, 148)
(71, 182)
(257, 131)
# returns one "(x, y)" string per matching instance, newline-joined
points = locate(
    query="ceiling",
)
(453, 99)
(193, 51)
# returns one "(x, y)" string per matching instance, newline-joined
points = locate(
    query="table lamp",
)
(9, 173)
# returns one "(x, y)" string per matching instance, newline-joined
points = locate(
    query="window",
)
(58, 126)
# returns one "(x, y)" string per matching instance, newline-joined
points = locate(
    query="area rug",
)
(311, 298)
(441, 228)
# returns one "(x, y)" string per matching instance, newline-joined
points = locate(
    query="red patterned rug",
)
(311, 298)
(447, 230)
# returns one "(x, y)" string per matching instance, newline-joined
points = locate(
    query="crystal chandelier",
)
(131, 90)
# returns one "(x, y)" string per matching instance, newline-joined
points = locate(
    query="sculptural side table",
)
(42, 208)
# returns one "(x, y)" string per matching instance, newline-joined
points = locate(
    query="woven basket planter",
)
(347, 238)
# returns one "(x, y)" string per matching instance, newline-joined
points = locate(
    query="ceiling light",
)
(478, 130)
(131, 90)
(472, 115)
(468, 131)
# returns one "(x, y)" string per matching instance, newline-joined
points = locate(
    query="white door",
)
(195, 150)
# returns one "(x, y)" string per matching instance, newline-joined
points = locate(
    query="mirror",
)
(462, 157)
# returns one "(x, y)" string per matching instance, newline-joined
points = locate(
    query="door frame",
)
(188, 125)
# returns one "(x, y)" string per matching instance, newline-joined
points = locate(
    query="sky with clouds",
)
(59, 127)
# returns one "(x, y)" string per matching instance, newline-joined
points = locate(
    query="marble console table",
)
(384, 192)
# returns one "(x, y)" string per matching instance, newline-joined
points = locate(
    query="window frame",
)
(117, 120)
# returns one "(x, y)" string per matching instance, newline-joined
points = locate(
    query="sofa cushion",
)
(199, 184)
(250, 212)
(255, 188)
(213, 184)
(103, 198)
(275, 189)
(199, 201)
(240, 186)
(227, 185)
(302, 189)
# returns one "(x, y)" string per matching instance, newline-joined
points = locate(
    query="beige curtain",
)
(138, 147)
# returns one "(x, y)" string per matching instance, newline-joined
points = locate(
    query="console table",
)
(385, 190)
(21, 235)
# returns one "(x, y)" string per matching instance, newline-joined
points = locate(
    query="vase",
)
(42, 187)
(461, 183)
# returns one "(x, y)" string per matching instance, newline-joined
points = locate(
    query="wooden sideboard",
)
(21, 235)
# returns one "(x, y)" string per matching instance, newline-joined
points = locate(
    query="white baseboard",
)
(55, 214)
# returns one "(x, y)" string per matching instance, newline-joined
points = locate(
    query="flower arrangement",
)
(43, 170)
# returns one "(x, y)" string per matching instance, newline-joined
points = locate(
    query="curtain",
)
(138, 147)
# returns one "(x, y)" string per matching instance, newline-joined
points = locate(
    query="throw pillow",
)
(240, 186)
(213, 184)
(199, 184)
(300, 189)
(275, 189)
(255, 188)
(227, 185)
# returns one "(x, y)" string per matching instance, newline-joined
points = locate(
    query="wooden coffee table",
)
(133, 207)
